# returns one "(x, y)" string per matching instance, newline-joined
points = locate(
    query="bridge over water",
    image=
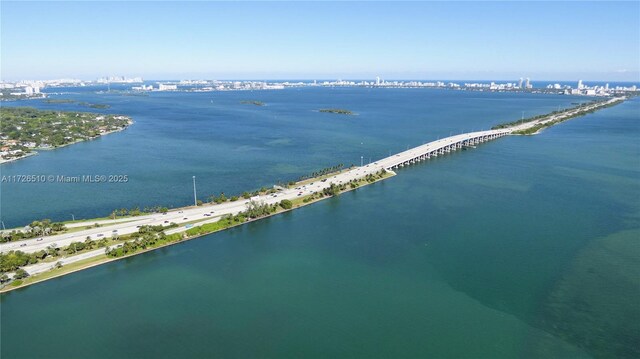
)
(440, 147)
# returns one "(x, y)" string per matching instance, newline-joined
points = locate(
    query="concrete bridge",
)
(440, 147)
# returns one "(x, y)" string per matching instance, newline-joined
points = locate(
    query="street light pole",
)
(361, 161)
(195, 198)
(73, 217)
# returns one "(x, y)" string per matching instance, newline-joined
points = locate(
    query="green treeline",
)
(42, 128)
(539, 117)
(257, 103)
(337, 110)
(540, 126)
(34, 229)
(322, 172)
(149, 237)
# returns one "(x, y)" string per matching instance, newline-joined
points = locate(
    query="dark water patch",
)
(595, 304)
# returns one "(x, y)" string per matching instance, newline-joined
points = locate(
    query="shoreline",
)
(297, 203)
(34, 153)
(93, 262)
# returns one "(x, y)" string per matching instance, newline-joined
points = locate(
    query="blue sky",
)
(280, 40)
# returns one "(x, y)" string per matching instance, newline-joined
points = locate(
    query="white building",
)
(167, 87)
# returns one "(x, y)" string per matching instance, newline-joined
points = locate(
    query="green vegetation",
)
(150, 237)
(145, 236)
(95, 105)
(24, 128)
(540, 126)
(337, 110)
(134, 212)
(54, 100)
(286, 204)
(579, 107)
(21, 274)
(322, 172)
(336, 189)
(13, 260)
(34, 229)
(12, 94)
(246, 195)
(256, 103)
(85, 104)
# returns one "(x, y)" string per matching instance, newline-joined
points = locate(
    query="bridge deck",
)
(440, 147)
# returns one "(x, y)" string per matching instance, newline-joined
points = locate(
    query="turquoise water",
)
(232, 147)
(522, 247)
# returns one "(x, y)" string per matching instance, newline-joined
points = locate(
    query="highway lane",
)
(189, 214)
(178, 216)
(183, 215)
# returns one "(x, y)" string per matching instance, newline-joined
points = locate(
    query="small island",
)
(25, 129)
(337, 110)
(85, 104)
(58, 100)
(256, 103)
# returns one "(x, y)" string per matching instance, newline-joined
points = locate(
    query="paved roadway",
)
(211, 213)
(207, 212)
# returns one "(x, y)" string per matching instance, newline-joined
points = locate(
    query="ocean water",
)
(522, 247)
(232, 147)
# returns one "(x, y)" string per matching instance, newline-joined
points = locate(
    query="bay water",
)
(526, 246)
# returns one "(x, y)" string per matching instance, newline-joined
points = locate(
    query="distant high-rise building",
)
(580, 85)
(378, 80)
(520, 83)
(528, 83)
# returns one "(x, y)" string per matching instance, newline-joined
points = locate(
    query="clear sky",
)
(323, 40)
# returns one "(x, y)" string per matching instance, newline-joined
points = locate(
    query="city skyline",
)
(327, 40)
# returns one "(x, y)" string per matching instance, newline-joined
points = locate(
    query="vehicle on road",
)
(100, 235)
(39, 239)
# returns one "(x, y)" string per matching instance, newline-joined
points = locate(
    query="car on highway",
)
(166, 221)
(185, 218)
(39, 239)
(23, 245)
(100, 235)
